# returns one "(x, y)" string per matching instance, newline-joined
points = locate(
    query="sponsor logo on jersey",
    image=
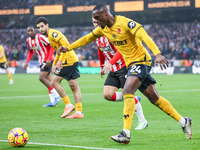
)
(131, 24)
(54, 34)
(107, 49)
(118, 43)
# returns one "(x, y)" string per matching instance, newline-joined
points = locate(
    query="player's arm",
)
(79, 43)
(51, 52)
(160, 60)
(30, 54)
(102, 61)
(54, 63)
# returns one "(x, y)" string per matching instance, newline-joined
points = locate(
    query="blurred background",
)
(174, 25)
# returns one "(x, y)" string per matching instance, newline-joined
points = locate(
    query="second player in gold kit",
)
(68, 69)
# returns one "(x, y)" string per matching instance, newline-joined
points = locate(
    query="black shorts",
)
(142, 71)
(69, 72)
(3, 65)
(117, 78)
(44, 68)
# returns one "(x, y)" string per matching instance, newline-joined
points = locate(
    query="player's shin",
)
(139, 111)
(166, 107)
(128, 112)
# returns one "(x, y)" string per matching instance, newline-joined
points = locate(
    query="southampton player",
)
(40, 45)
(127, 36)
(116, 77)
(68, 69)
(3, 63)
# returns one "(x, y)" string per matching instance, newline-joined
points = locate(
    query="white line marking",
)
(66, 145)
(186, 90)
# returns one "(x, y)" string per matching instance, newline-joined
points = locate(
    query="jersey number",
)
(135, 69)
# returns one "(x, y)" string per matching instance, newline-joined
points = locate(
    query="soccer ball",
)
(18, 137)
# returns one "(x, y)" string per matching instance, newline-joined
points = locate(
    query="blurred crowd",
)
(175, 41)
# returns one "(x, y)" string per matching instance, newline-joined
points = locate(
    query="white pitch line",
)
(44, 95)
(95, 94)
(67, 145)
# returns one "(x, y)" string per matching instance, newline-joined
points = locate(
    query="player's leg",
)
(136, 74)
(5, 66)
(53, 94)
(9, 76)
(45, 78)
(73, 83)
(130, 87)
(152, 94)
(72, 79)
(116, 80)
(56, 82)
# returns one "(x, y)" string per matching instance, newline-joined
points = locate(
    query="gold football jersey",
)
(2, 59)
(57, 39)
(123, 36)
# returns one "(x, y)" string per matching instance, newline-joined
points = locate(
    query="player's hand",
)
(161, 61)
(59, 65)
(48, 63)
(25, 66)
(61, 49)
(102, 73)
(53, 69)
(107, 67)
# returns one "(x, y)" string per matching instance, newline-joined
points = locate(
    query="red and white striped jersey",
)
(41, 46)
(108, 50)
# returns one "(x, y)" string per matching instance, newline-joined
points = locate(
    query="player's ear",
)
(47, 25)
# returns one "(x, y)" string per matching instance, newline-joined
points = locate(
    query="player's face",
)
(101, 17)
(42, 28)
(95, 22)
(31, 31)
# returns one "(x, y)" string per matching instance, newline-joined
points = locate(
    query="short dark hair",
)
(41, 19)
(100, 7)
(30, 26)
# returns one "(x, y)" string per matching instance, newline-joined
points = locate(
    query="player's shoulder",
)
(54, 33)
(127, 22)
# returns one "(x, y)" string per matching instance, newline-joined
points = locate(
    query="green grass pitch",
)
(21, 106)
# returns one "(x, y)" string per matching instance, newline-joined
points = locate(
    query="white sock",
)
(51, 98)
(68, 105)
(79, 112)
(139, 112)
(54, 92)
(127, 132)
(119, 97)
(182, 121)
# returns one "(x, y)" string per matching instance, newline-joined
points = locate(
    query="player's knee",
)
(153, 100)
(107, 96)
(41, 79)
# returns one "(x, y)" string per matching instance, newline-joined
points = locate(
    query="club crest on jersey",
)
(131, 24)
(114, 36)
(54, 34)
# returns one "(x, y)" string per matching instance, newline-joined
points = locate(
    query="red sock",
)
(113, 97)
(50, 88)
(136, 101)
